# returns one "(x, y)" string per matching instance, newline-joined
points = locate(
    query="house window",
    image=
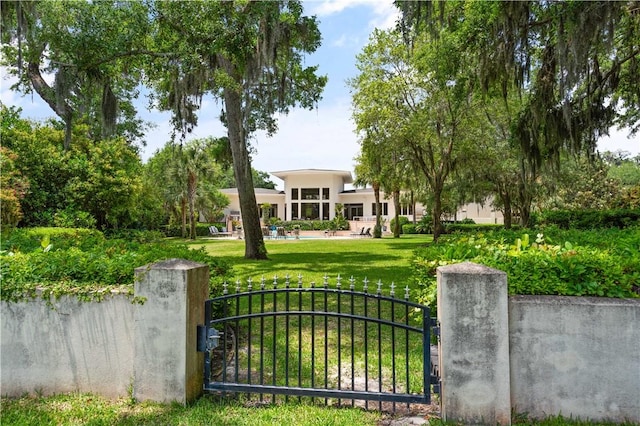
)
(272, 211)
(310, 193)
(325, 211)
(354, 211)
(294, 211)
(310, 211)
(325, 193)
(294, 193)
(384, 209)
(406, 210)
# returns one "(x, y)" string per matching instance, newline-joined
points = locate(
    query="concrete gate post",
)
(167, 366)
(474, 344)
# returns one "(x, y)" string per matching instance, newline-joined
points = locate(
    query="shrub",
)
(470, 227)
(402, 220)
(591, 219)
(425, 225)
(72, 218)
(548, 264)
(84, 263)
(409, 228)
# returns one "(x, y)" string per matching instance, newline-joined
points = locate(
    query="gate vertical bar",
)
(299, 334)
(338, 286)
(313, 339)
(393, 340)
(225, 310)
(286, 347)
(250, 308)
(406, 339)
(262, 336)
(352, 288)
(366, 342)
(326, 338)
(207, 353)
(273, 337)
(237, 331)
(379, 294)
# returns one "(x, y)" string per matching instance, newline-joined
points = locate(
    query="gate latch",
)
(208, 338)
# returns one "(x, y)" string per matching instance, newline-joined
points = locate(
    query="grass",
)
(86, 409)
(385, 259)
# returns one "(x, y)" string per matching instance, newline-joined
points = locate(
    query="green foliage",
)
(547, 264)
(591, 219)
(202, 229)
(99, 178)
(409, 228)
(13, 186)
(402, 220)
(425, 225)
(470, 227)
(71, 218)
(84, 263)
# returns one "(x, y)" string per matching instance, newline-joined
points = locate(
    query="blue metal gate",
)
(319, 342)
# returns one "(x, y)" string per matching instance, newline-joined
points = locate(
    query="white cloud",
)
(384, 12)
(329, 7)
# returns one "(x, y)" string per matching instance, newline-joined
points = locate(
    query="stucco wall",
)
(70, 346)
(111, 347)
(572, 356)
(575, 356)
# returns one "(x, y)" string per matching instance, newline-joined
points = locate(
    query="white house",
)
(312, 194)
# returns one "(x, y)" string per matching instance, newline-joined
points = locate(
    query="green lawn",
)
(387, 259)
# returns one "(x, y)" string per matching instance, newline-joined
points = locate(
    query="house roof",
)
(262, 191)
(344, 174)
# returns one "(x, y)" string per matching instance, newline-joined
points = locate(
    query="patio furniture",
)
(216, 233)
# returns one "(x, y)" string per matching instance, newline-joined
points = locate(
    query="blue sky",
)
(322, 138)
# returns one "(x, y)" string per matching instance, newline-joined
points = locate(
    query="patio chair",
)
(215, 233)
(281, 233)
(358, 234)
(368, 233)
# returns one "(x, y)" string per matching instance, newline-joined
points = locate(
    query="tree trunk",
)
(377, 230)
(506, 202)
(46, 92)
(191, 191)
(437, 212)
(254, 243)
(396, 205)
(183, 215)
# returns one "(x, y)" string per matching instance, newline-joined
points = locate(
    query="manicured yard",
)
(386, 259)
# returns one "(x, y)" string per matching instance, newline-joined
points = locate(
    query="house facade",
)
(312, 194)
